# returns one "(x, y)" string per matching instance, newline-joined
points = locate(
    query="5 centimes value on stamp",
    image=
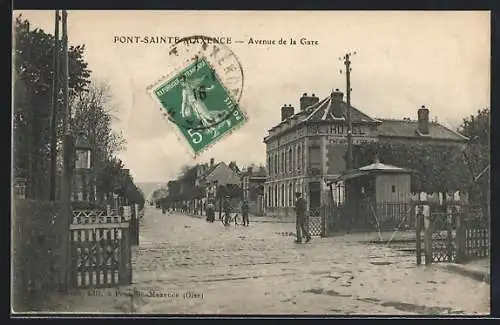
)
(197, 100)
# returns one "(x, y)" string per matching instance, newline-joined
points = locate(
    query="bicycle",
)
(227, 219)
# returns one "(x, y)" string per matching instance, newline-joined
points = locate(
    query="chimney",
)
(211, 162)
(423, 120)
(314, 99)
(306, 101)
(337, 96)
(336, 103)
(286, 111)
(249, 170)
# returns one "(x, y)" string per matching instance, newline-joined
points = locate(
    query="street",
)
(185, 265)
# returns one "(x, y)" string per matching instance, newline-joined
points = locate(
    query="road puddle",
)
(425, 310)
(401, 306)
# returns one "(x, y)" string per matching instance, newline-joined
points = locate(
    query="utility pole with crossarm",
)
(347, 63)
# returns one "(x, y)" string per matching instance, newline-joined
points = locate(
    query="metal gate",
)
(316, 221)
(100, 250)
(452, 236)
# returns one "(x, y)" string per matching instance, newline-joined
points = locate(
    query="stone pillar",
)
(324, 160)
(305, 157)
(285, 195)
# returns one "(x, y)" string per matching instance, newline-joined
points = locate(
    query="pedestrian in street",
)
(227, 211)
(210, 210)
(301, 218)
(244, 212)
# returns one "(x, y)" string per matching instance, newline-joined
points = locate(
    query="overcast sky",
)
(404, 60)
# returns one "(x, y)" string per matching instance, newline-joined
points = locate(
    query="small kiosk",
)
(377, 195)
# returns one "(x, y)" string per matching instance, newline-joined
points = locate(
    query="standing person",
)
(227, 211)
(301, 218)
(210, 210)
(163, 206)
(244, 212)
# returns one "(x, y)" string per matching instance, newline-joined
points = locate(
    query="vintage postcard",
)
(251, 162)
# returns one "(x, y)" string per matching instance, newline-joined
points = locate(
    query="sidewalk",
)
(478, 270)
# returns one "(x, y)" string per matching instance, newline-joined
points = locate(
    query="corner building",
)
(307, 149)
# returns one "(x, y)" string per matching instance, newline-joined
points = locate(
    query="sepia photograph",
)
(169, 162)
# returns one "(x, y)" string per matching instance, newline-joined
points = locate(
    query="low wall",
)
(36, 251)
(280, 212)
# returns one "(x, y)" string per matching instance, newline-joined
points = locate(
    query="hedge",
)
(36, 255)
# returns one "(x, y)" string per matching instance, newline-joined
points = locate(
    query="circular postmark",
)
(208, 83)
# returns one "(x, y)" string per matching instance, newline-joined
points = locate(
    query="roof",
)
(209, 170)
(375, 168)
(329, 110)
(407, 128)
(378, 166)
(228, 178)
(257, 172)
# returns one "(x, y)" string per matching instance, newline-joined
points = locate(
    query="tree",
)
(93, 116)
(477, 129)
(33, 72)
(440, 168)
(107, 176)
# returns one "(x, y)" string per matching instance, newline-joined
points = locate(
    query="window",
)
(282, 195)
(299, 157)
(286, 162)
(393, 188)
(315, 159)
(283, 162)
(276, 195)
(269, 164)
(294, 158)
(290, 194)
(275, 163)
(290, 160)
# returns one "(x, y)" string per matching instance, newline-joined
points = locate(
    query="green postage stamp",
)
(200, 106)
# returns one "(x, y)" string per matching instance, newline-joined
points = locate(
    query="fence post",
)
(428, 239)
(460, 237)
(419, 220)
(449, 241)
(323, 216)
(137, 224)
(125, 271)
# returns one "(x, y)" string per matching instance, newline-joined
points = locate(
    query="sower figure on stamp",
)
(244, 212)
(301, 218)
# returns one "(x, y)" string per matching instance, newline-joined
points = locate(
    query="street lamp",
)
(82, 151)
(83, 166)
(116, 197)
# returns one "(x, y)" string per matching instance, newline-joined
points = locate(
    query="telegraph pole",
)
(66, 213)
(347, 63)
(53, 119)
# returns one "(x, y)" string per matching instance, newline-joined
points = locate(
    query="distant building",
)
(253, 180)
(306, 150)
(216, 175)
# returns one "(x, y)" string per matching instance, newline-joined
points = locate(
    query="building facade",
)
(253, 180)
(307, 149)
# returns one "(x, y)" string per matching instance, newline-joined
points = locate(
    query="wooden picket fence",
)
(100, 250)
